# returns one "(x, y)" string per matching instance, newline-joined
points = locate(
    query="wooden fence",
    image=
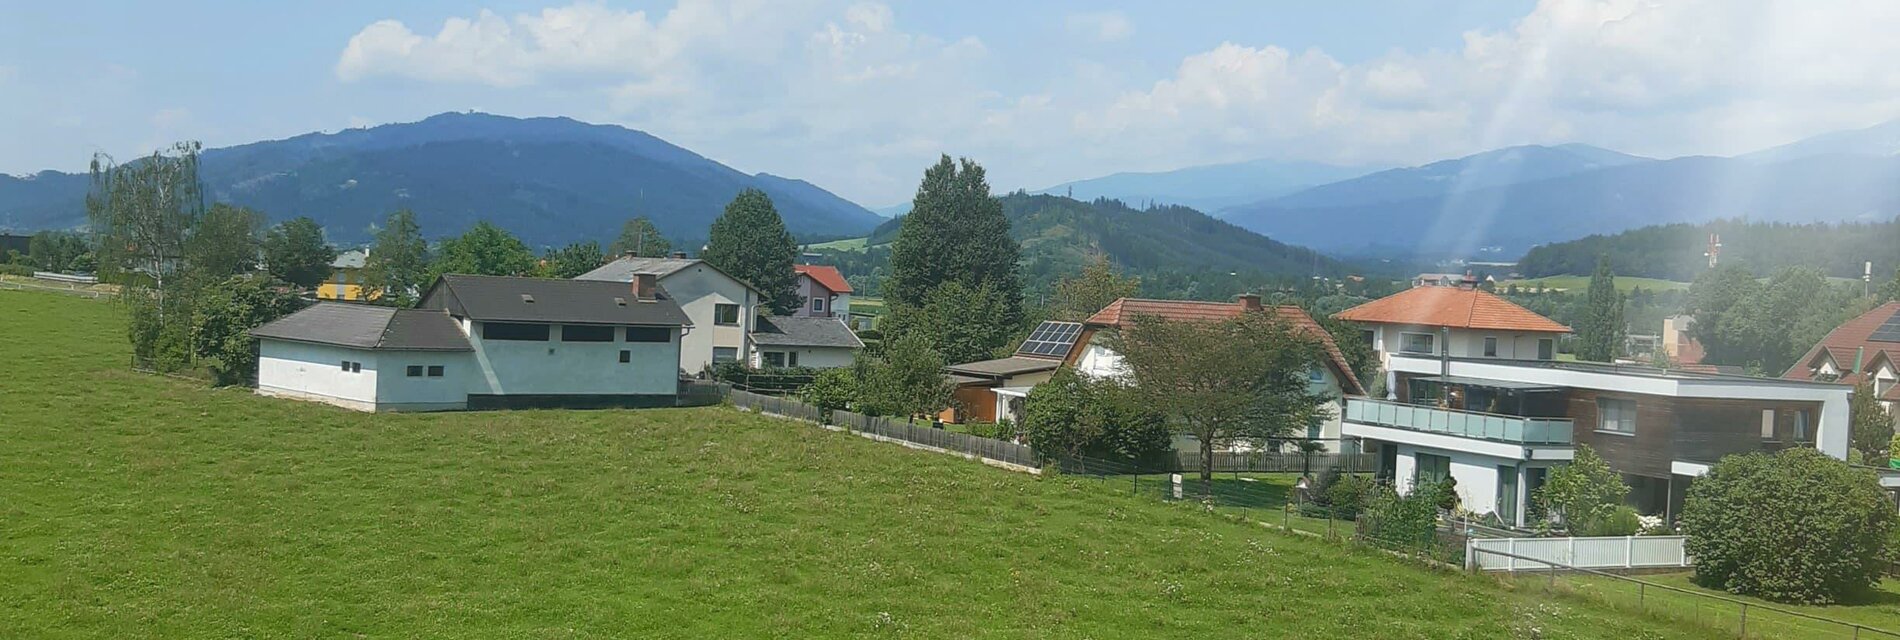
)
(925, 436)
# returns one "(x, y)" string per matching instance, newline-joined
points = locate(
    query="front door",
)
(1507, 495)
(1388, 461)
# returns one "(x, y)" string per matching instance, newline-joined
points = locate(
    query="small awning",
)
(1013, 392)
(1493, 384)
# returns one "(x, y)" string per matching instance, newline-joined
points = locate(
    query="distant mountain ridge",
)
(549, 180)
(1208, 188)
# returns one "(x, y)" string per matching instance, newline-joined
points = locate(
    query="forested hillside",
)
(1676, 251)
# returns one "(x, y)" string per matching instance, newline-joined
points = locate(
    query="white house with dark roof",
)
(724, 310)
(481, 342)
(797, 341)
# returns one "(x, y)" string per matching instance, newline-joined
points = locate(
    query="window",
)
(817, 305)
(1314, 428)
(1616, 416)
(725, 314)
(1507, 494)
(435, 371)
(1371, 337)
(1801, 425)
(626, 356)
(1767, 424)
(1417, 342)
(774, 358)
(415, 371)
(346, 366)
(1315, 374)
(1431, 468)
(514, 331)
(586, 333)
(791, 358)
(1490, 347)
(352, 366)
(649, 334)
(1546, 349)
(725, 354)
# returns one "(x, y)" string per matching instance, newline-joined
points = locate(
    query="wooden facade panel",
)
(1647, 452)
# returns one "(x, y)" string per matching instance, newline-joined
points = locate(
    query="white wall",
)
(396, 391)
(520, 367)
(1463, 343)
(1099, 361)
(698, 289)
(814, 357)
(313, 372)
(1477, 475)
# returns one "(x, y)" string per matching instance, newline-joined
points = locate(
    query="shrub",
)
(1324, 485)
(831, 390)
(1409, 520)
(1797, 526)
(1349, 494)
(1582, 493)
(14, 269)
(1624, 520)
(1070, 415)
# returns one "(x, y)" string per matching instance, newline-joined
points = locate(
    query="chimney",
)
(1249, 301)
(628, 254)
(644, 286)
(1469, 281)
(679, 255)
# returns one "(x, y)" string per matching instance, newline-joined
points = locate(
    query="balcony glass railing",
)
(1464, 424)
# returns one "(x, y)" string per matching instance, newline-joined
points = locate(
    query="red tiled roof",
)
(1845, 341)
(1451, 307)
(1124, 310)
(826, 276)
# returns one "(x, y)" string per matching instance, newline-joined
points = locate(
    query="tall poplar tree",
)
(749, 242)
(956, 232)
(1600, 333)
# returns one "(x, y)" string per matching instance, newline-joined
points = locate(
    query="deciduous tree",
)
(749, 241)
(952, 321)
(956, 232)
(1583, 493)
(227, 242)
(640, 238)
(1222, 381)
(1079, 296)
(141, 216)
(1872, 425)
(485, 249)
(224, 317)
(573, 260)
(398, 264)
(905, 379)
(295, 252)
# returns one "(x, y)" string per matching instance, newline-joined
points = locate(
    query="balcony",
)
(1463, 424)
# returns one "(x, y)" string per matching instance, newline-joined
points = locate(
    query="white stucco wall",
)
(1099, 361)
(313, 372)
(396, 391)
(814, 357)
(553, 367)
(1463, 343)
(1477, 476)
(698, 290)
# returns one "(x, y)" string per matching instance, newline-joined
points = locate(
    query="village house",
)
(482, 342)
(824, 290)
(1475, 394)
(818, 342)
(723, 310)
(1864, 349)
(346, 277)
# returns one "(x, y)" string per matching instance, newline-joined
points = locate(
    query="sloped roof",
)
(368, 327)
(551, 300)
(1846, 340)
(794, 331)
(825, 275)
(1453, 307)
(352, 259)
(1125, 310)
(622, 269)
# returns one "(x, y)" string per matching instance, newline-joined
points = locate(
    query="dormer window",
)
(527, 298)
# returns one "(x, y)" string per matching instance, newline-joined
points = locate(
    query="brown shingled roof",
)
(1848, 339)
(1125, 310)
(1452, 307)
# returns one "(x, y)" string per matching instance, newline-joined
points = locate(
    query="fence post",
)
(1629, 553)
(1471, 553)
(1511, 560)
(1744, 620)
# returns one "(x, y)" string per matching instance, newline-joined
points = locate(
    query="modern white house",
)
(824, 290)
(819, 342)
(1475, 394)
(1334, 378)
(480, 342)
(723, 310)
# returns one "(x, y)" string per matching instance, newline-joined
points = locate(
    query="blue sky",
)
(859, 96)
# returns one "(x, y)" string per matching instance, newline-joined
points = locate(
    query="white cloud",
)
(855, 99)
(1104, 26)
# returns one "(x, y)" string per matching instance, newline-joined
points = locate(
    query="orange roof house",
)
(824, 275)
(1123, 311)
(1856, 347)
(1452, 307)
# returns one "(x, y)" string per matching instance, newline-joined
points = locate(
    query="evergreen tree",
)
(1600, 334)
(946, 322)
(398, 264)
(295, 252)
(956, 232)
(485, 249)
(640, 238)
(749, 242)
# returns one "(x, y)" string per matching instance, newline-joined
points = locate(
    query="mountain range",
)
(549, 180)
(1210, 187)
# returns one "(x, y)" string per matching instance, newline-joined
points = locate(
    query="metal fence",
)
(1618, 552)
(1740, 618)
(1279, 461)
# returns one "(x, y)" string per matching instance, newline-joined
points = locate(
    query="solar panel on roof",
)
(1051, 339)
(1888, 331)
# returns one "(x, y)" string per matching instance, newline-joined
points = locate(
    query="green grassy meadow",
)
(847, 244)
(143, 506)
(1879, 609)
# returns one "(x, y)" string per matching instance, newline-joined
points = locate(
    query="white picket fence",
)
(1622, 552)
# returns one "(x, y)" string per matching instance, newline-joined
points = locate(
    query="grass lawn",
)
(1879, 610)
(1579, 283)
(143, 506)
(868, 306)
(847, 244)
